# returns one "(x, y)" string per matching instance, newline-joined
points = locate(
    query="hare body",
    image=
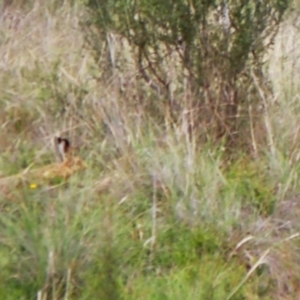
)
(64, 170)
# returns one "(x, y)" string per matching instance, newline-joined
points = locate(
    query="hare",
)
(69, 165)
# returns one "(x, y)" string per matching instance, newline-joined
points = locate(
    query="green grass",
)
(73, 242)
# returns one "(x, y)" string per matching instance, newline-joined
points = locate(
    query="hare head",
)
(67, 156)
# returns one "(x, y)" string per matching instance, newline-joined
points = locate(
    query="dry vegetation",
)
(155, 215)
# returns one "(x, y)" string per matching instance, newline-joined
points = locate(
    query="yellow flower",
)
(33, 186)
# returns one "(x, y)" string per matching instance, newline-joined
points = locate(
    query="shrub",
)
(212, 49)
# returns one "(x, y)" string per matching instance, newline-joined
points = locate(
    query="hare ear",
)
(63, 146)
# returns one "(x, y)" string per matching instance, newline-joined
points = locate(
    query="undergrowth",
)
(156, 215)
